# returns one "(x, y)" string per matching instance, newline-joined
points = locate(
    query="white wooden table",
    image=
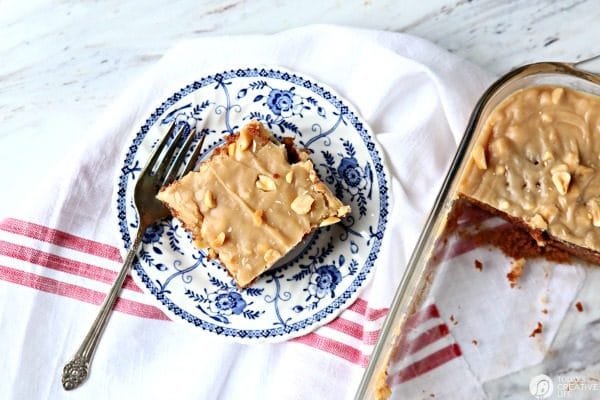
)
(62, 62)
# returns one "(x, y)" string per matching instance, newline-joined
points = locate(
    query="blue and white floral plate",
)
(327, 273)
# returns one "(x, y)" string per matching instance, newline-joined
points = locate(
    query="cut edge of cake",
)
(541, 236)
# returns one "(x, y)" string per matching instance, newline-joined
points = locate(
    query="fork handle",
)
(76, 371)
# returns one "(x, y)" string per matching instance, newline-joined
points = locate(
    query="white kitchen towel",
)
(59, 254)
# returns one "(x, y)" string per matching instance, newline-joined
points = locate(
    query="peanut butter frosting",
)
(250, 205)
(538, 160)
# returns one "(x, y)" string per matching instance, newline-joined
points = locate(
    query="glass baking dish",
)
(456, 329)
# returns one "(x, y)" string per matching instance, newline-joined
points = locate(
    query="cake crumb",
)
(453, 319)
(475, 342)
(545, 311)
(516, 270)
(538, 329)
(479, 265)
(579, 306)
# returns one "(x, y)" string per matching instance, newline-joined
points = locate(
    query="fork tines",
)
(172, 155)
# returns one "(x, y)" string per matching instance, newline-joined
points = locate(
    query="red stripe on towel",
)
(426, 364)
(406, 347)
(334, 347)
(62, 264)
(50, 285)
(355, 330)
(60, 238)
(361, 306)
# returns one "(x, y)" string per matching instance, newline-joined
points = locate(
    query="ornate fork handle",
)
(76, 370)
(163, 166)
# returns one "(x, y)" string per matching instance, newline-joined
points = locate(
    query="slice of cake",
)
(536, 164)
(252, 202)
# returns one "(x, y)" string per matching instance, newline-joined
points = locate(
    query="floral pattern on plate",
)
(323, 275)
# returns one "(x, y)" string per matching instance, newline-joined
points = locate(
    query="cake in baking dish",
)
(252, 202)
(536, 163)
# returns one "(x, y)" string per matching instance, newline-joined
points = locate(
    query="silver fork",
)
(160, 170)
